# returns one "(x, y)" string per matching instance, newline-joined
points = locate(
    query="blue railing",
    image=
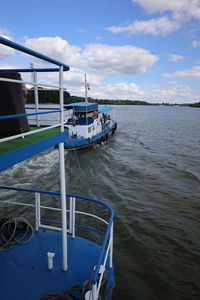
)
(107, 234)
(29, 114)
(31, 70)
(32, 52)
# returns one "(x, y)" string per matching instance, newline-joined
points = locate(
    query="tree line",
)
(52, 96)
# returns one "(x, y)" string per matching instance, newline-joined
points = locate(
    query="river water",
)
(149, 172)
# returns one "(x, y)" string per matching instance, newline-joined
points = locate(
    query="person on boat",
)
(95, 114)
(74, 118)
(104, 118)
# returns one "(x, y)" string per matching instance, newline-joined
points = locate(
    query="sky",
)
(146, 50)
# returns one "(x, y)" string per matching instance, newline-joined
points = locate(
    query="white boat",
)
(89, 124)
(44, 257)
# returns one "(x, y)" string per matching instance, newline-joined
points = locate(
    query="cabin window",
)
(89, 129)
(93, 128)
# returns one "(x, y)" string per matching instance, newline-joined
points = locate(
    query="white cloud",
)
(173, 93)
(152, 6)
(114, 91)
(55, 47)
(179, 8)
(127, 60)
(195, 43)
(75, 81)
(96, 57)
(122, 91)
(194, 72)
(177, 13)
(175, 57)
(4, 50)
(156, 26)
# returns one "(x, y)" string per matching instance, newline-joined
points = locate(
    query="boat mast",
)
(87, 87)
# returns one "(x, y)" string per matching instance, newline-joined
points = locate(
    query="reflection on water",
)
(150, 174)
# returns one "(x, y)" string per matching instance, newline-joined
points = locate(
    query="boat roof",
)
(105, 109)
(82, 106)
(87, 106)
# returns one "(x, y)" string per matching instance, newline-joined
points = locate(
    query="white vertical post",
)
(62, 177)
(36, 98)
(111, 247)
(70, 215)
(73, 216)
(37, 211)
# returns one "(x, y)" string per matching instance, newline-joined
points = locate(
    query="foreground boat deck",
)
(24, 270)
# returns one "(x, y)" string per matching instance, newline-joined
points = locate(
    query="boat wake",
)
(27, 172)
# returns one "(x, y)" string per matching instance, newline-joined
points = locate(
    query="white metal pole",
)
(73, 216)
(70, 215)
(85, 88)
(94, 292)
(36, 97)
(62, 177)
(111, 247)
(37, 211)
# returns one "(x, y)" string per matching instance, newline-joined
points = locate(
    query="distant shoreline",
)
(52, 96)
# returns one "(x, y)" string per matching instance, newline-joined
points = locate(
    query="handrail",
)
(32, 52)
(12, 137)
(33, 107)
(29, 114)
(28, 82)
(32, 70)
(109, 223)
(58, 194)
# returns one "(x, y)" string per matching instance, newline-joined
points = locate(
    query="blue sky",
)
(130, 49)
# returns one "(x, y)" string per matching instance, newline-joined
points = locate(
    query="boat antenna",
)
(87, 88)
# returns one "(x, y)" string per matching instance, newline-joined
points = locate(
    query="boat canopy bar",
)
(26, 50)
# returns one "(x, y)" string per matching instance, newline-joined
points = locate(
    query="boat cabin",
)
(85, 120)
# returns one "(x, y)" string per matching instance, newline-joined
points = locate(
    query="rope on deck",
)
(14, 231)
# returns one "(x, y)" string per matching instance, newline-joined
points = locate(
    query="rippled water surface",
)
(150, 174)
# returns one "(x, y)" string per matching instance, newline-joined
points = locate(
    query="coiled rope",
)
(14, 231)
